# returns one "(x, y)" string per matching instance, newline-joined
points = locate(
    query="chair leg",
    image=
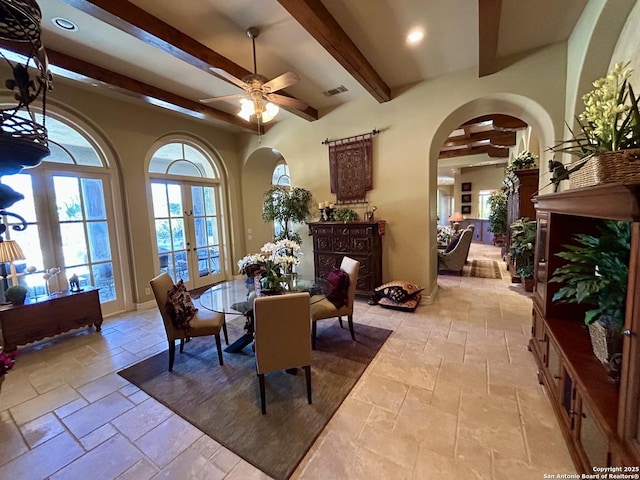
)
(172, 354)
(219, 347)
(181, 345)
(307, 375)
(262, 393)
(224, 330)
(353, 335)
(313, 334)
(340, 322)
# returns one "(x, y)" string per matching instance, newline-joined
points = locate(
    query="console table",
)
(48, 316)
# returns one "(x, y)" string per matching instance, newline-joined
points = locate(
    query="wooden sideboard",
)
(599, 419)
(361, 241)
(49, 316)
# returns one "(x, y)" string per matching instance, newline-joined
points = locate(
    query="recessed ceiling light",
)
(415, 36)
(65, 24)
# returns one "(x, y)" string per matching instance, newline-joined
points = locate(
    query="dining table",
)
(235, 297)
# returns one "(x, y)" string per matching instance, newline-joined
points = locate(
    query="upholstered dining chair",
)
(282, 337)
(205, 322)
(325, 309)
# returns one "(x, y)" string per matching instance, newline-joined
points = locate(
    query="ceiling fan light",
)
(246, 109)
(271, 110)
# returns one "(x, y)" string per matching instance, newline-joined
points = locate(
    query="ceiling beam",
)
(132, 87)
(493, 152)
(316, 19)
(498, 138)
(488, 33)
(140, 24)
(499, 121)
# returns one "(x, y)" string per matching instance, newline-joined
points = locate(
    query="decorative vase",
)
(607, 347)
(528, 284)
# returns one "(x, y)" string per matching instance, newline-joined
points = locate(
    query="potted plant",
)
(524, 159)
(597, 275)
(522, 249)
(345, 215)
(609, 131)
(16, 294)
(498, 217)
(285, 206)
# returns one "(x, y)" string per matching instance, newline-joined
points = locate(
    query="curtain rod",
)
(373, 132)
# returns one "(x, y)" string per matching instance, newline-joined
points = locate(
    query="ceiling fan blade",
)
(218, 72)
(287, 101)
(283, 81)
(224, 97)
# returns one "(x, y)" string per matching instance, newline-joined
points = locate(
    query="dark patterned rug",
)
(224, 401)
(483, 269)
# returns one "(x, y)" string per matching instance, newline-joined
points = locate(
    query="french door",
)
(188, 231)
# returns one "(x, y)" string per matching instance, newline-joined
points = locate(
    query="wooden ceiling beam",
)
(495, 137)
(488, 32)
(493, 152)
(131, 19)
(316, 19)
(499, 121)
(135, 88)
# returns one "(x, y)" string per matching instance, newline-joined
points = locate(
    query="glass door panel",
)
(206, 235)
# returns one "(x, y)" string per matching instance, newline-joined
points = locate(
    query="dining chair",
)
(324, 309)
(203, 323)
(282, 337)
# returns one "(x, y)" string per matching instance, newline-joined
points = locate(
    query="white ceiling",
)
(377, 27)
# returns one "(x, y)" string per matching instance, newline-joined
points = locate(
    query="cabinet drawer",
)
(365, 283)
(341, 244)
(323, 244)
(327, 262)
(321, 230)
(361, 245)
(361, 231)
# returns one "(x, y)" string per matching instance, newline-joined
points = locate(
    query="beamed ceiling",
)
(162, 51)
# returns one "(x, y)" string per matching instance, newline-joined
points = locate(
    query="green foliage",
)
(522, 248)
(345, 215)
(498, 214)
(15, 293)
(525, 159)
(597, 273)
(286, 206)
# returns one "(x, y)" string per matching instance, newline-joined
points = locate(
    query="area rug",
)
(224, 401)
(484, 269)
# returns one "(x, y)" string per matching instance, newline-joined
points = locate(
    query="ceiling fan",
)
(258, 100)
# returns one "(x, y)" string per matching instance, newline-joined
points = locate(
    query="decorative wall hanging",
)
(23, 141)
(466, 187)
(350, 167)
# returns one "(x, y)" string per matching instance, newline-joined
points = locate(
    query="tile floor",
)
(452, 395)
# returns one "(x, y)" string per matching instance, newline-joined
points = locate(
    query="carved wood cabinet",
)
(599, 419)
(35, 320)
(361, 241)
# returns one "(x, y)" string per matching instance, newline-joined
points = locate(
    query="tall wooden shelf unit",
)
(521, 186)
(599, 419)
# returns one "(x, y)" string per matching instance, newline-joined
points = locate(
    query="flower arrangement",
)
(524, 159)
(273, 261)
(7, 360)
(610, 120)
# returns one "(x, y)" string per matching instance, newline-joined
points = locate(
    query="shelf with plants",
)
(598, 416)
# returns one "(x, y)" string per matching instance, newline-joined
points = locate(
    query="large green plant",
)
(522, 247)
(597, 274)
(498, 214)
(285, 206)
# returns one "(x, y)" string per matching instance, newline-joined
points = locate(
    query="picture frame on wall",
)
(466, 198)
(466, 210)
(466, 187)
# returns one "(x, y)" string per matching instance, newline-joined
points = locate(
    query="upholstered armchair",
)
(204, 322)
(282, 337)
(325, 309)
(456, 258)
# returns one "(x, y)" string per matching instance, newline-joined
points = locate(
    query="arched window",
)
(77, 236)
(281, 175)
(188, 213)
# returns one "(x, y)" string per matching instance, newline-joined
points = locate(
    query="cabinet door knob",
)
(627, 333)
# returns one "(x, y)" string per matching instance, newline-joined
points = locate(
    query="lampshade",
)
(10, 251)
(456, 217)
(264, 111)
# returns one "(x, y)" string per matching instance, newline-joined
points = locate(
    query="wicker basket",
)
(607, 167)
(607, 347)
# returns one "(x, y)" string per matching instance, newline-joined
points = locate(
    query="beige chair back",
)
(352, 267)
(282, 329)
(160, 286)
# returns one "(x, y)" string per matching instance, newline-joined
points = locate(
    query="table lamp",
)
(454, 219)
(10, 251)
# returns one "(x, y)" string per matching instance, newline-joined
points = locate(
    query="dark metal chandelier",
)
(23, 141)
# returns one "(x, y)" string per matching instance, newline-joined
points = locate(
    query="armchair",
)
(456, 258)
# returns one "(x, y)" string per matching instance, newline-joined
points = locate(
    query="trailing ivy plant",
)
(597, 274)
(286, 206)
(346, 215)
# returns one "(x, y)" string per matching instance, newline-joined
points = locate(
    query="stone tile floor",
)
(452, 395)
